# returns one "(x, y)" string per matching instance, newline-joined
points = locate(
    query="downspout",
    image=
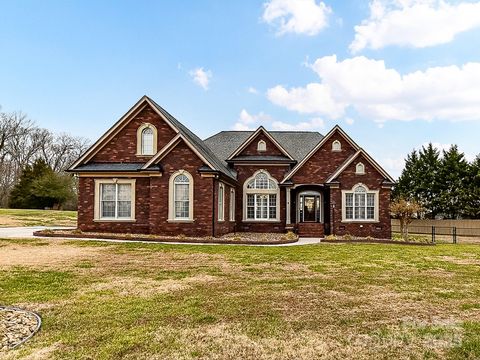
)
(213, 207)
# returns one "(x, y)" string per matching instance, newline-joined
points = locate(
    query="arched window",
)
(360, 204)
(336, 146)
(262, 146)
(181, 196)
(261, 197)
(360, 169)
(146, 140)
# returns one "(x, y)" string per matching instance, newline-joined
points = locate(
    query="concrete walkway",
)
(27, 232)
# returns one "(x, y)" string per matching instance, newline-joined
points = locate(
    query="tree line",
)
(40, 157)
(444, 183)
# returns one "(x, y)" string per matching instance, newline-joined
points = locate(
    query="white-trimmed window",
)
(262, 146)
(146, 140)
(336, 146)
(360, 169)
(221, 202)
(360, 204)
(261, 198)
(180, 202)
(232, 204)
(114, 199)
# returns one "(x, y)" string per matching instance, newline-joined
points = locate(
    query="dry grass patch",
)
(136, 286)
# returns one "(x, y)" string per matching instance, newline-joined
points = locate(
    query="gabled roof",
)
(347, 162)
(296, 143)
(260, 129)
(190, 138)
(318, 146)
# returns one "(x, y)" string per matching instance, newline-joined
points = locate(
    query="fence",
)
(442, 231)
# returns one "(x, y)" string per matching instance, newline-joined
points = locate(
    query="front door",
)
(309, 209)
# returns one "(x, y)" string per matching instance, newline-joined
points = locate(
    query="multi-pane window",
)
(115, 201)
(232, 204)
(181, 196)
(221, 202)
(360, 204)
(147, 141)
(261, 198)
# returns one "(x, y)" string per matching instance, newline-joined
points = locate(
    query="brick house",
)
(150, 174)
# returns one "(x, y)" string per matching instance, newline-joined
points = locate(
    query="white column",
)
(288, 207)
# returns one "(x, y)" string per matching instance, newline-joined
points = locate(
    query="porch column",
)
(288, 207)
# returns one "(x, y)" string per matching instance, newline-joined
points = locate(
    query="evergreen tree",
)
(453, 183)
(22, 196)
(428, 191)
(472, 207)
(408, 182)
(53, 189)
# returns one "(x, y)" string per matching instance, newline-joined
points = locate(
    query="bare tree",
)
(22, 142)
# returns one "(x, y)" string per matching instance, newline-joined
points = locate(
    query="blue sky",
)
(395, 74)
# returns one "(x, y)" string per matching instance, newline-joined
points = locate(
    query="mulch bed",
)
(238, 238)
(377, 241)
(16, 326)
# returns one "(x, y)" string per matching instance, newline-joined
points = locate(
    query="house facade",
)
(150, 174)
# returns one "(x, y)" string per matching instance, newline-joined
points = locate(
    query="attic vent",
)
(336, 146)
(262, 146)
(360, 169)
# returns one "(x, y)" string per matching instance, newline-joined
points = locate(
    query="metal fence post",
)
(454, 234)
(433, 234)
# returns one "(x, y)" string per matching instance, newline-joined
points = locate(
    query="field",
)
(21, 217)
(153, 301)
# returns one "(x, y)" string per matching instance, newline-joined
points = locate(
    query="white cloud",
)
(375, 91)
(349, 121)
(393, 165)
(296, 16)
(247, 121)
(415, 23)
(313, 124)
(314, 98)
(201, 77)
(252, 90)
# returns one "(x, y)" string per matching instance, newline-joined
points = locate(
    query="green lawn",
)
(31, 217)
(153, 301)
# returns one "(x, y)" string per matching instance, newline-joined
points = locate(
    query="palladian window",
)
(360, 204)
(261, 197)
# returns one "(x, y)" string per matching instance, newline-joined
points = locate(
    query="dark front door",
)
(309, 209)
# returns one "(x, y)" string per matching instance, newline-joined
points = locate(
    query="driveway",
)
(27, 232)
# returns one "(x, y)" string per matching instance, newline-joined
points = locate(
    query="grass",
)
(153, 301)
(32, 217)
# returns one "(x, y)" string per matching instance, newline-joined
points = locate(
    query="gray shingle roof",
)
(129, 167)
(199, 145)
(263, 158)
(297, 143)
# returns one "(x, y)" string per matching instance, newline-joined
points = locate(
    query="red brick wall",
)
(86, 209)
(123, 147)
(251, 149)
(324, 162)
(373, 180)
(246, 171)
(152, 201)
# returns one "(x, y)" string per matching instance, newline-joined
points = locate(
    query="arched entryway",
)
(308, 209)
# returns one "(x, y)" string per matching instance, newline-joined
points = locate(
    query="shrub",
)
(347, 236)
(331, 237)
(291, 235)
